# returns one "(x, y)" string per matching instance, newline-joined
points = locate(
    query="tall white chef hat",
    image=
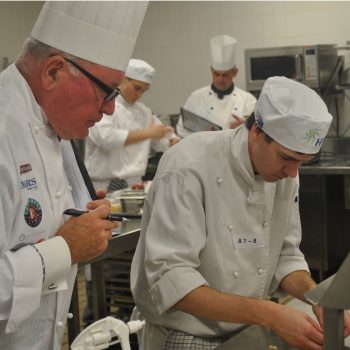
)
(140, 70)
(103, 32)
(293, 115)
(223, 52)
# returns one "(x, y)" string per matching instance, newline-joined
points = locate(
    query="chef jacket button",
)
(235, 274)
(59, 324)
(229, 227)
(69, 188)
(69, 315)
(219, 180)
(265, 224)
(58, 194)
(211, 108)
(260, 271)
(52, 286)
(36, 129)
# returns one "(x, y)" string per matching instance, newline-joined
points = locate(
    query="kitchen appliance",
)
(312, 65)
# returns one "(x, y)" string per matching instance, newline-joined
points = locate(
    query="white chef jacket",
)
(34, 192)
(203, 198)
(108, 158)
(205, 103)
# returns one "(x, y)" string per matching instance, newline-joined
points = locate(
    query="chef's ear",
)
(53, 70)
(254, 132)
(235, 71)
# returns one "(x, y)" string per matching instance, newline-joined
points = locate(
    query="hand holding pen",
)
(87, 235)
(111, 217)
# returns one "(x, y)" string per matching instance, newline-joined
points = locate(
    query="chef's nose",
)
(108, 107)
(291, 170)
(221, 79)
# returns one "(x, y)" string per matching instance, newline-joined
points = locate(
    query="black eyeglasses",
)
(110, 93)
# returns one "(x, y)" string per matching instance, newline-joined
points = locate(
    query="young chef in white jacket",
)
(60, 85)
(222, 102)
(119, 147)
(221, 229)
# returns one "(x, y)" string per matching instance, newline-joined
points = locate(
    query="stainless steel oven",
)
(312, 65)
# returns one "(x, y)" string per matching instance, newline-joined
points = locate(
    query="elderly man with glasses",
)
(63, 82)
(111, 93)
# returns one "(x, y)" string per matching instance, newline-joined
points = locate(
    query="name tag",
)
(248, 240)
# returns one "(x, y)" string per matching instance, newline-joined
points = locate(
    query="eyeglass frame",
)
(110, 93)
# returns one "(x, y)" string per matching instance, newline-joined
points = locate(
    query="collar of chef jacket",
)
(222, 93)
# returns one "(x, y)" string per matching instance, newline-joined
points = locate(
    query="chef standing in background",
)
(222, 102)
(64, 80)
(118, 147)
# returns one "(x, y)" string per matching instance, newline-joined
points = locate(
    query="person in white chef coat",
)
(222, 102)
(119, 147)
(63, 81)
(221, 229)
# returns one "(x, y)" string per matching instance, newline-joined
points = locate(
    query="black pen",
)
(78, 212)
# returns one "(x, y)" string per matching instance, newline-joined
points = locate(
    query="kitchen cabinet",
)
(325, 221)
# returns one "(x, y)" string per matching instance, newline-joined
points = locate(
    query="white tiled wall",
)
(16, 21)
(175, 39)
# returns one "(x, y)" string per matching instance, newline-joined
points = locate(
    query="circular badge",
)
(33, 213)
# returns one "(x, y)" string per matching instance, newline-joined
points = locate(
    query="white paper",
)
(248, 240)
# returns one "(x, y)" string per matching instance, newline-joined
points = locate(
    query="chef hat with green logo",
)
(293, 115)
(103, 32)
(140, 70)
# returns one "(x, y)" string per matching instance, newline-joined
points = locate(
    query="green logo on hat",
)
(312, 135)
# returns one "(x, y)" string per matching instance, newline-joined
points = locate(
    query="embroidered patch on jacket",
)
(24, 168)
(29, 184)
(33, 213)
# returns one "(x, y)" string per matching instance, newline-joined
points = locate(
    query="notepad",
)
(194, 122)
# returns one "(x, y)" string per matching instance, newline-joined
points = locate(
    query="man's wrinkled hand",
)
(87, 235)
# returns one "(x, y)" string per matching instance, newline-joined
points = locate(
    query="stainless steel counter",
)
(123, 242)
(324, 202)
(334, 158)
(332, 164)
(258, 338)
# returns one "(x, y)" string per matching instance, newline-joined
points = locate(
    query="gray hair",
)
(34, 51)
